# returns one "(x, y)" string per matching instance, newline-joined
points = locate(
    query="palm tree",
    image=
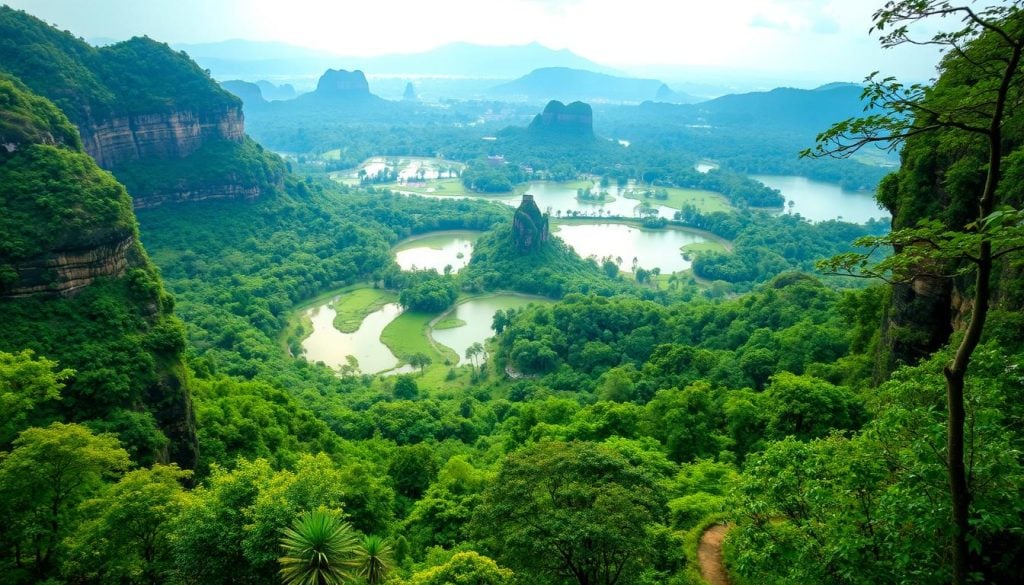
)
(319, 549)
(375, 559)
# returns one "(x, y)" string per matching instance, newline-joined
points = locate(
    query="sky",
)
(822, 40)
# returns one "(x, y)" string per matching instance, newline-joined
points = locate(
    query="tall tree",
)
(42, 481)
(126, 534)
(570, 511)
(971, 106)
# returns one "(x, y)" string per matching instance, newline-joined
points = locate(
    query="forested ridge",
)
(159, 422)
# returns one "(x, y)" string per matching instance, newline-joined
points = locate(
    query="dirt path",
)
(709, 553)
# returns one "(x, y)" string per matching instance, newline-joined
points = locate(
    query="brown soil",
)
(709, 553)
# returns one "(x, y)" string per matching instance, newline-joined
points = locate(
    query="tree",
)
(465, 568)
(26, 382)
(576, 511)
(971, 104)
(42, 481)
(126, 536)
(420, 360)
(375, 558)
(474, 352)
(319, 549)
(406, 387)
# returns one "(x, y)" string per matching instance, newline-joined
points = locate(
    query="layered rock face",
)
(75, 283)
(575, 119)
(173, 135)
(529, 226)
(66, 272)
(237, 190)
(143, 111)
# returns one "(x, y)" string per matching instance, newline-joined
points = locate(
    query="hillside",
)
(76, 286)
(137, 103)
(566, 84)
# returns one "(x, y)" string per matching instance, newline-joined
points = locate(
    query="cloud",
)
(762, 21)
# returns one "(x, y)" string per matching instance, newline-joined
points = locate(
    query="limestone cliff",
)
(529, 226)
(159, 135)
(135, 101)
(575, 119)
(76, 285)
(341, 84)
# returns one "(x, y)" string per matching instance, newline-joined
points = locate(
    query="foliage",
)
(92, 84)
(26, 118)
(552, 270)
(57, 199)
(26, 384)
(834, 509)
(430, 295)
(570, 511)
(125, 533)
(43, 479)
(464, 568)
(319, 549)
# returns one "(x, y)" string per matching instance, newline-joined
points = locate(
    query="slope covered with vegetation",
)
(607, 430)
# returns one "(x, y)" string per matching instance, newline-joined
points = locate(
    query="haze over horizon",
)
(792, 41)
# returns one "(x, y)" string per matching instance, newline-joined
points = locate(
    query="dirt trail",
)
(709, 554)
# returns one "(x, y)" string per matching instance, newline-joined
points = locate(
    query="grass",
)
(353, 307)
(449, 323)
(710, 246)
(447, 188)
(705, 201)
(407, 335)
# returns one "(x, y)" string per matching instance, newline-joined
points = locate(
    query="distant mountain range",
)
(254, 60)
(567, 84)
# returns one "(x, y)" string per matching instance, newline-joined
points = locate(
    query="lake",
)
(818, 201)
(478, 313)
(436, 250)
(330, 346)
(561, 199)
(652, 248)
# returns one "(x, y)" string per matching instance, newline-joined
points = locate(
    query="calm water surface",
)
(651, 248)
(435, 251)
(478, 315)
(818, 201)
(330, 346)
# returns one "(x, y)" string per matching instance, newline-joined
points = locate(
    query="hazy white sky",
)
(826, 39)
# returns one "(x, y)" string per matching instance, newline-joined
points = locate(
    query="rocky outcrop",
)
(410, 93)
(174, 135)
(575, 119)
(65, 272)
(250, 93)
(341, 84)
(239, 191)
(529, 226)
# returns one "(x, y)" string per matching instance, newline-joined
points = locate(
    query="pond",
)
(436, 250)
(818, 201)
(330, 346)
(478, 314)
(652, 248)
(560, 198)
